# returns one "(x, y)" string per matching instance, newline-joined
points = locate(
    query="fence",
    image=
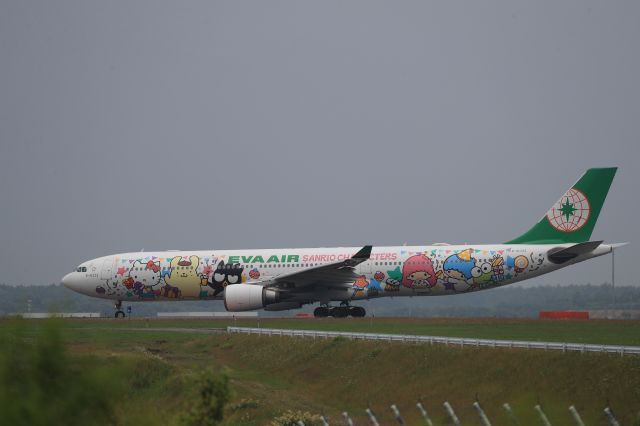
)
(453, 418)
(451, 341)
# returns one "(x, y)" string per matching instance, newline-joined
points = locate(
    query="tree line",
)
(512, 301)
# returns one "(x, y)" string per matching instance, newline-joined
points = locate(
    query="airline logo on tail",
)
(571, 212)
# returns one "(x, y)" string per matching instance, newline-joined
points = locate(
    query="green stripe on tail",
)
(572, 218)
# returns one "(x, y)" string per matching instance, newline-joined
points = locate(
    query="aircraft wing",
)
(333, 273)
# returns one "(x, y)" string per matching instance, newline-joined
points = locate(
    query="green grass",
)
(607, 332)
(155, 370)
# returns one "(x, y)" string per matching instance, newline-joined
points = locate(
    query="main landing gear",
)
(119, 311)
(342, 311)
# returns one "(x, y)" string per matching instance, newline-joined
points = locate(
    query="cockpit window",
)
(81, 269)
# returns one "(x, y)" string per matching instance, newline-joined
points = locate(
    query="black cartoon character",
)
(225, 274)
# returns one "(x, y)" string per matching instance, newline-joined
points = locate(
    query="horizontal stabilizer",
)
(618, 245)
(562, 255)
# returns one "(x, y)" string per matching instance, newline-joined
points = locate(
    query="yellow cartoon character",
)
(184, 276)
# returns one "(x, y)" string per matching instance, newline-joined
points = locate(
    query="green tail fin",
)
(572, 218)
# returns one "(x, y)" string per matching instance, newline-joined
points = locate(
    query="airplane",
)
(283, 279)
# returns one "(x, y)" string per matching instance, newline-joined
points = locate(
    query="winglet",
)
(364, 253)
(361, 256)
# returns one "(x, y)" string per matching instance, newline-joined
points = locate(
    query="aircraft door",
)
(107, 268)
(365, 267)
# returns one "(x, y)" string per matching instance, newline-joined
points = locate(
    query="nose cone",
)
(72, 282)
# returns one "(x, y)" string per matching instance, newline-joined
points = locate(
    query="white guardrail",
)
(452, 341)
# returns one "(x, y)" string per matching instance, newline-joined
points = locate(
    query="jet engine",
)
(248, 297)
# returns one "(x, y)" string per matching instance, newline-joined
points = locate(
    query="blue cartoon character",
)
(457, 271)
(375, 284)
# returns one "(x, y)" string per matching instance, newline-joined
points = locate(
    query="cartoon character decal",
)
(457, 271)
(488, 273)
(114, 288)
(519, 264)
(497, 268)
(170, 292)
(438, 271)
(418, 273)
(143, 279)
(224, 275)
(392, 283)
(360, 286)
(183, 276)
(254, 274)
(374, 288)
(482, 275)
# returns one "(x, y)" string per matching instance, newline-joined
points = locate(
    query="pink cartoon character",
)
(417, 272)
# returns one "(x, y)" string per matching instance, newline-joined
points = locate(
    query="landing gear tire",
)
(119, 311)
(321, 312)
(357, 311)
(339, 312)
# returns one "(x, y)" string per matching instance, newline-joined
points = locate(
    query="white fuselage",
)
(391, 271)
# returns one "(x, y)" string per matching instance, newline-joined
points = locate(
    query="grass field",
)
(156, 369)
(606, 332)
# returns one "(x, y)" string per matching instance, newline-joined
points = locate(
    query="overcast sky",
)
(249, 124)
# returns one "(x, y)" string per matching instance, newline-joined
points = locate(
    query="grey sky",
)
(247, 124)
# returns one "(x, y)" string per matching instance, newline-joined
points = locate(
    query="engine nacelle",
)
(248, 297)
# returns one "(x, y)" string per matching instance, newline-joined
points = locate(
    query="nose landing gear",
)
(119, 311)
